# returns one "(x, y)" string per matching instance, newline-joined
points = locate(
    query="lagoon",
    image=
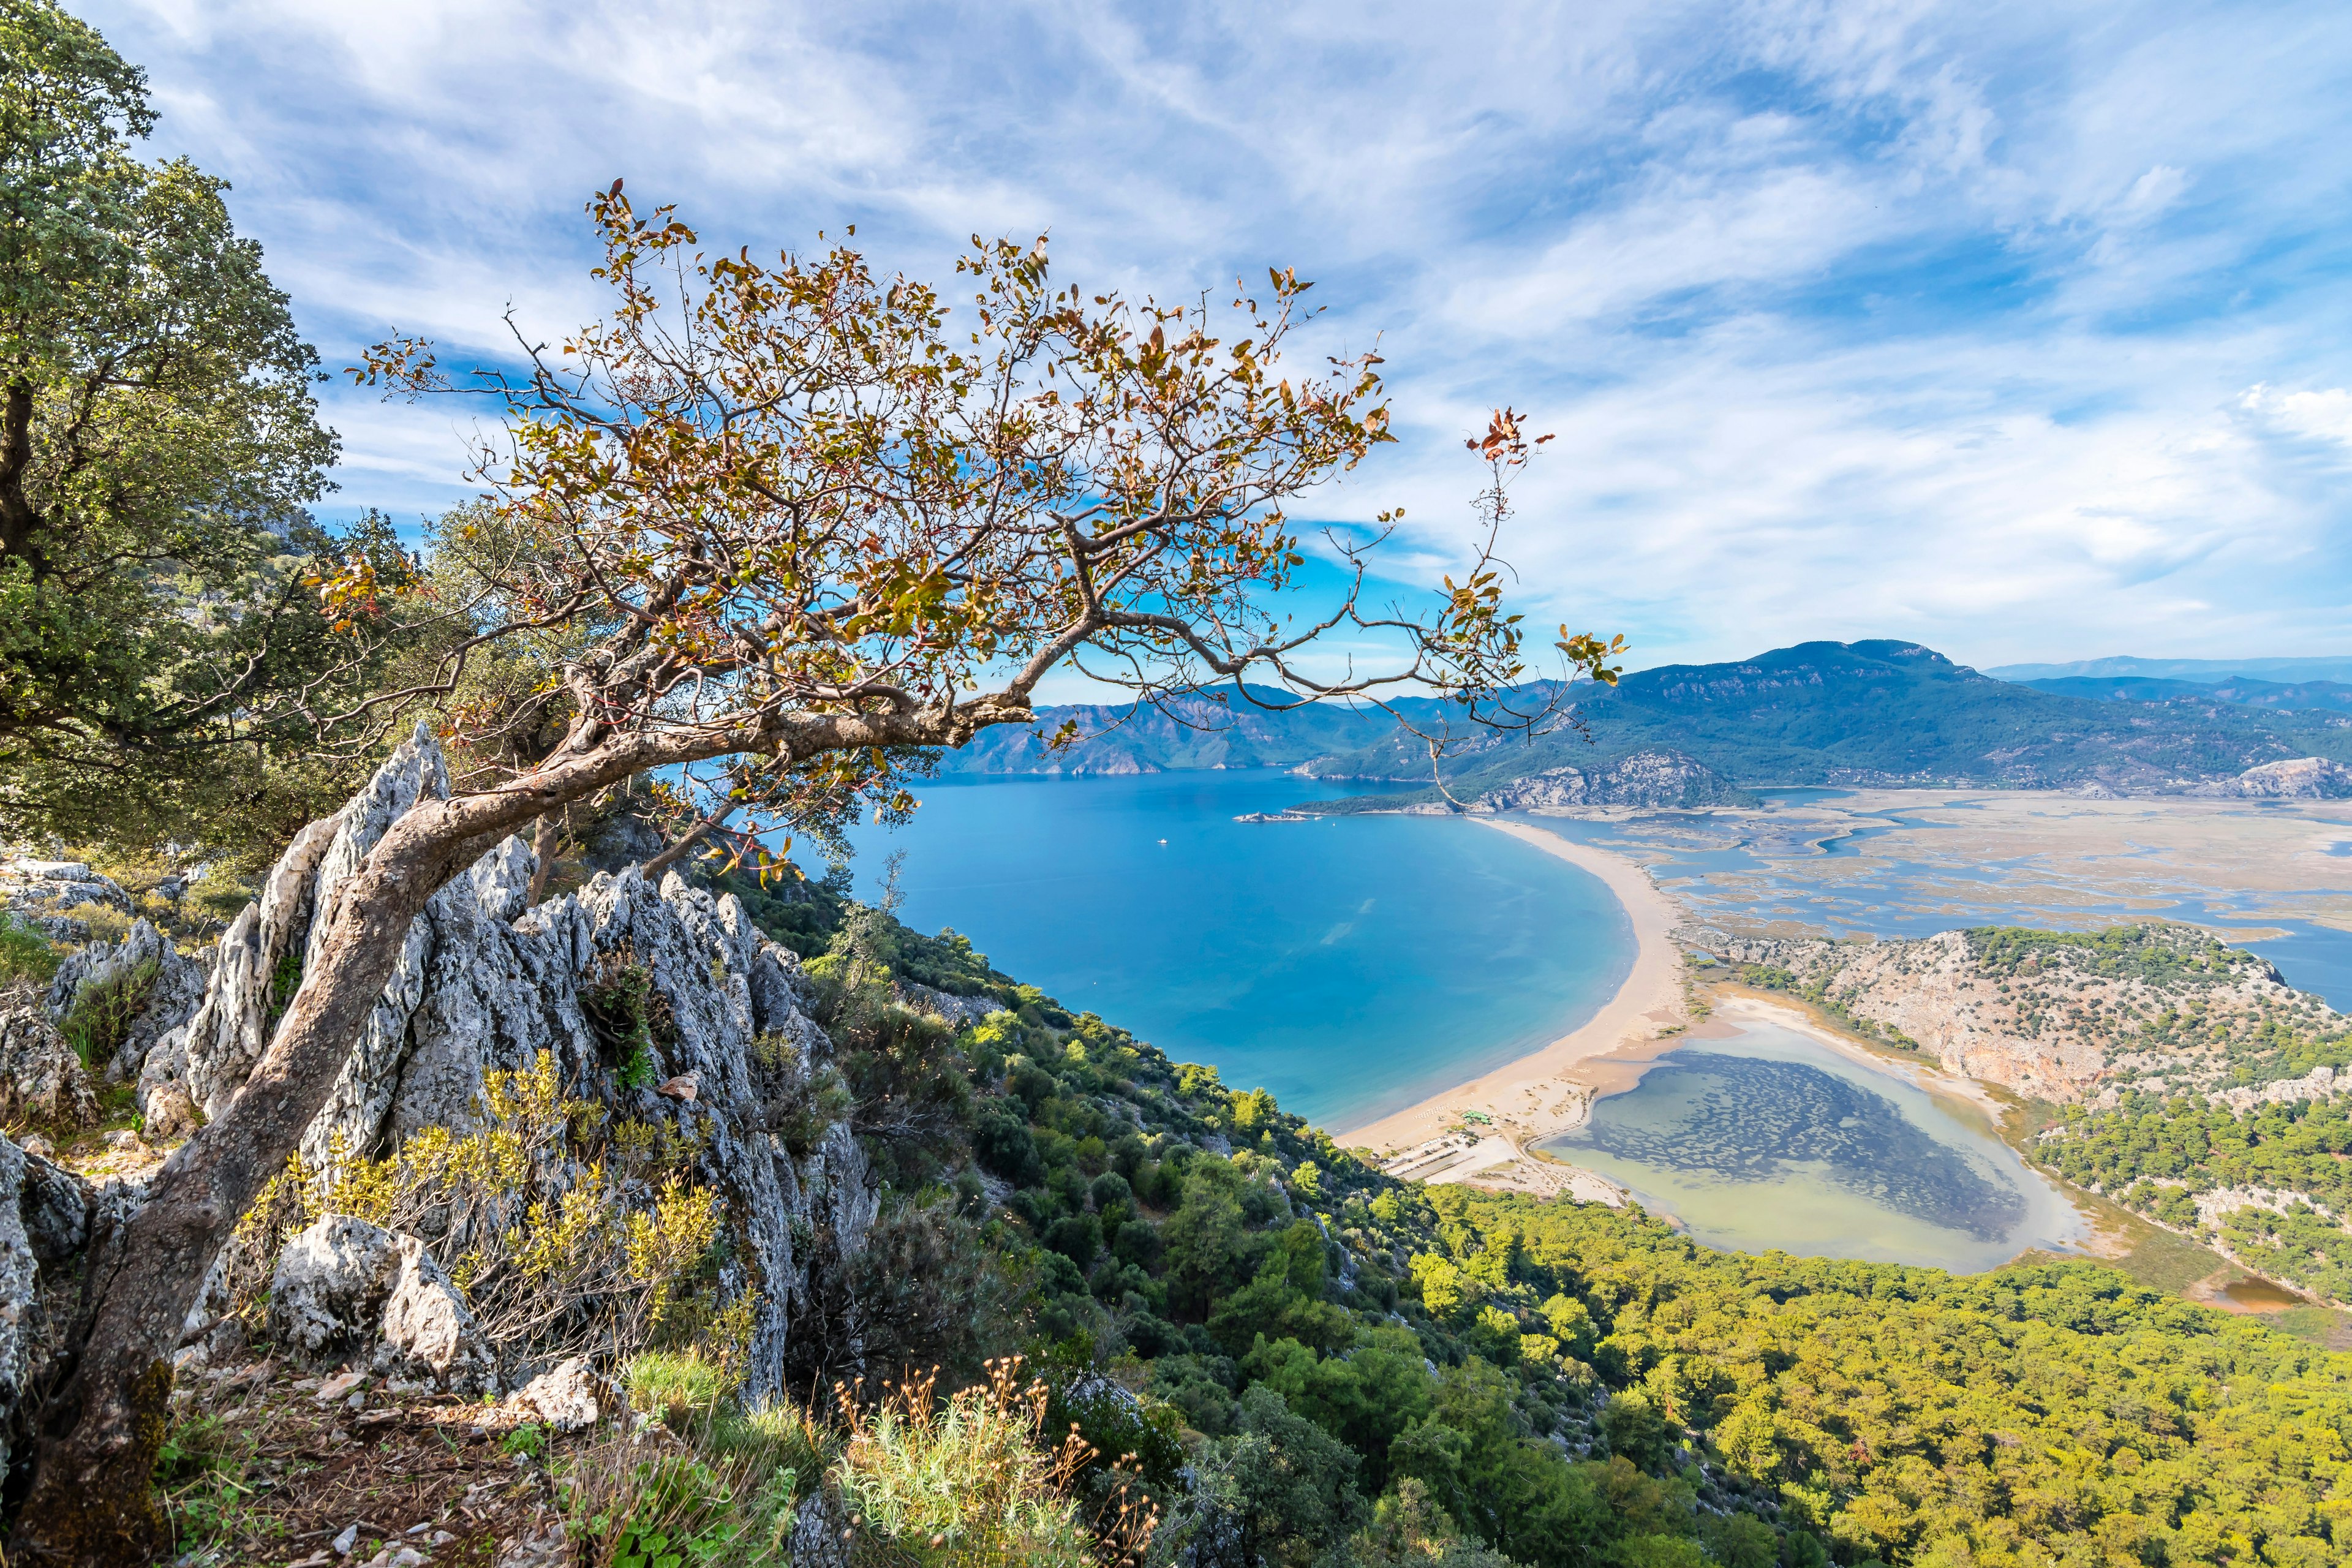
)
(1350, 965)
(1764, 1138)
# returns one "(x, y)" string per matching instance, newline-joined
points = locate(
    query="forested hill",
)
(1876, 712)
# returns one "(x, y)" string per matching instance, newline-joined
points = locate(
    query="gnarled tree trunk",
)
(91, 1502)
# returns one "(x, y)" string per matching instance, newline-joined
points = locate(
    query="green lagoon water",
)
(1769, 1140)
(1350, 965)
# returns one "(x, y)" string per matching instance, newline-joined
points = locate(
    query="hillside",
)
(1875, 713)
(2191, 1083)
(2333, 696)
(839, 1149)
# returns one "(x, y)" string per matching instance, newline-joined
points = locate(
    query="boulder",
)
(41, 1078)
(327, 1292)
(429, 1332)
(568, 1397)
(343, 1284)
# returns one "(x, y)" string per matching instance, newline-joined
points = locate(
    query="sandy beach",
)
(1533, 1096)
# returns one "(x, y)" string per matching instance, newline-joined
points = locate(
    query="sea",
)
(1348, 966)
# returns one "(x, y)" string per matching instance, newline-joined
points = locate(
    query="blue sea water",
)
(1350, 965)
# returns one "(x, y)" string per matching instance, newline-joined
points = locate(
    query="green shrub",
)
(25, 956)
(103, 921)
(102, 1012)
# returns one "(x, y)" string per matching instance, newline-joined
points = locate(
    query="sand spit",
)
(1536, 1096)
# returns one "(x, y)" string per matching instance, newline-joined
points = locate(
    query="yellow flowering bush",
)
(568, 1232)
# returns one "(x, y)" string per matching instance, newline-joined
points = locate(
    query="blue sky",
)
(2024, 330)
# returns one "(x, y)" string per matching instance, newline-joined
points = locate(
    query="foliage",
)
(570, 1232)
(676, 1510)
(201, 1473)
(26, 957)
(968, 1481)
(158, 442)
(102, 1011)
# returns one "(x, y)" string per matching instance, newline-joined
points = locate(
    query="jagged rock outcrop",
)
(168, 987)
(41, 892)
(484, 983)
(50, 1219)
(41, 1078)
(2055, 1018)
(1651, 777)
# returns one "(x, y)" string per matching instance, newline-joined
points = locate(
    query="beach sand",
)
(1536, 1096)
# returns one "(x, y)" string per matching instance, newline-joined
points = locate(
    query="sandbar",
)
(1531, 1097)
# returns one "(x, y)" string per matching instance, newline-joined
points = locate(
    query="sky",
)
(2022, 331)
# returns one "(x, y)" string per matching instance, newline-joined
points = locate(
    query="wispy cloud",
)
(2019, 329)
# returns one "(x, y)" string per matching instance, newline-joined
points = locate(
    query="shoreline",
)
(1531, 1097)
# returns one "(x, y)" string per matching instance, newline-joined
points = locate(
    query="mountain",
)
(2324, 667)
(1875, 712)
(1215, 730)
(2244, 688)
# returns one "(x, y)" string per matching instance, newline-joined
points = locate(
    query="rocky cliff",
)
(484, 983)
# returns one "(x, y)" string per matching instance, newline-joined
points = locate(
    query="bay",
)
(1350, 965)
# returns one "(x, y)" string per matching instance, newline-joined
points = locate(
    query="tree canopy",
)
(159, 444)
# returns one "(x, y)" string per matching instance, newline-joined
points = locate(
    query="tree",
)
(158, 444)
(816, 524)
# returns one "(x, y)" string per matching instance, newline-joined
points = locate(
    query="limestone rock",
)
(41, 1078)
(957, 1011)
(41, 892)
(171, 988)
(568, 1397)
(819, 1531)
(45, 1227)
(1651, 777)
(428, 1330)
(343, 1284)
(2292, 778)
(327, 1292)
(485, 984)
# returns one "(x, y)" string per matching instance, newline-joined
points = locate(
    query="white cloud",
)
(1856, 317)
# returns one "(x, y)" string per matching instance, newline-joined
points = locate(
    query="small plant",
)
(678, 1511)
(284, 981)
(103, 1011)
(199, 1471)
(969, 1483)
(26, 955)
(569, 1233)
(103, 921)
(679, 1388)
(527, 1441)
(629, 1016)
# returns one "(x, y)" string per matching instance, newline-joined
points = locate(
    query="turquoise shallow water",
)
(1350, 965)
(1769, 1139)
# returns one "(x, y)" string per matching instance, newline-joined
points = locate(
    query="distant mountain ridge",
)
(2329, 694)
(2318, 667)
(1878, 713)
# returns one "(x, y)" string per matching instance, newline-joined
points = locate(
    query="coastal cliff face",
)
(2053, 1015)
